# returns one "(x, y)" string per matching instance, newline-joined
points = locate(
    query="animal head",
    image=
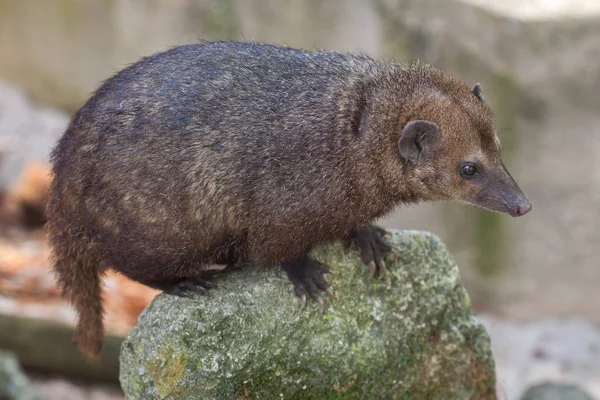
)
(453, 152)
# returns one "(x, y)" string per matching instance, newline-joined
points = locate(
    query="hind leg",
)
(195, 281)
(184, 287)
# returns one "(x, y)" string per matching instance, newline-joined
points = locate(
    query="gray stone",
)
(526, 353)
(14, 385)
(555, 391)
(410, 335)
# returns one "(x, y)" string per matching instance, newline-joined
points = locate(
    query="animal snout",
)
(521, 209)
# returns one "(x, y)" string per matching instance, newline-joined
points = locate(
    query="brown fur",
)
(257, 152)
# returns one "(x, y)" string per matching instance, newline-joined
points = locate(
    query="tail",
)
(79, 274)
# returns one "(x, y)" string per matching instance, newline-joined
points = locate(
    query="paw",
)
(307, 277)
(186, 287)
(372, 246)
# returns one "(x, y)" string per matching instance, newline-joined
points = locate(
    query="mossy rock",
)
(411, 335)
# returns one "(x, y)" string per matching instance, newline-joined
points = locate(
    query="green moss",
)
(408, 335)
(167, 369)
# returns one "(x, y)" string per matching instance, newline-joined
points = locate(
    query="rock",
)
(555, 391)
(14, 385)
(529, 352)
(411, 334)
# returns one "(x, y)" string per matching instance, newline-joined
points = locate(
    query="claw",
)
(330, 294)
(372, 268)
(185, 288)
(373, 248)
(205, 283)
(382, 231)
(321, 304)
(394, 255)
(306, 275)
(382, 269)
(194, 287)
(302, 302)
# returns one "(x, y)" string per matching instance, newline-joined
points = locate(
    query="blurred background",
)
(534, 281)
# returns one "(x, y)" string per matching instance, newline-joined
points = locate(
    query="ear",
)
(478, 92)
(418, 140)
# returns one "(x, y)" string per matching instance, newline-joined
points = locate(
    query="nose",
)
(522, 209)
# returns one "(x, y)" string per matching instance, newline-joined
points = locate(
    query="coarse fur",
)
(255, 150)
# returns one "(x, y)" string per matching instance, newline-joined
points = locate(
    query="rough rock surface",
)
(14, 385)
(555, 391)
(565, 351)
(411, 335)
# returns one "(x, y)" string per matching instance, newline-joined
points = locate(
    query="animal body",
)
(223, 152)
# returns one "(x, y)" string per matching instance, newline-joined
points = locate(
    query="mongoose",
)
(222, 152)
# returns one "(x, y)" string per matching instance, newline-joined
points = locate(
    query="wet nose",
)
(522, 209)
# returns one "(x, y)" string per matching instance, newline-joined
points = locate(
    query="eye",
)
(468, 170)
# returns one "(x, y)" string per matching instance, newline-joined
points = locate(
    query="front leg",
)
(372, 246)
(307, 276)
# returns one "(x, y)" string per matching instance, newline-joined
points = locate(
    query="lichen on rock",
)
(411, 335)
